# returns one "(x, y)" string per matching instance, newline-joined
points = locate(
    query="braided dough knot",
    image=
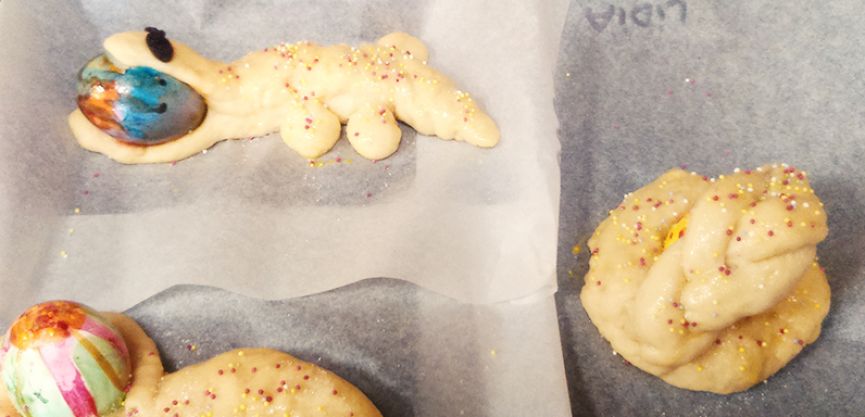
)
(736, 272)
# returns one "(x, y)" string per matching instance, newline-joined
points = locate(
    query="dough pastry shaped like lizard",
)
(151, 100)
(62, 359)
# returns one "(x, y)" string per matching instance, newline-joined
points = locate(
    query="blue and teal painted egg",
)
(62, 359)
(139, 106)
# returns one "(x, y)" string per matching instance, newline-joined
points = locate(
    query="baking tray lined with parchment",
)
(292, 244)
(643, 87)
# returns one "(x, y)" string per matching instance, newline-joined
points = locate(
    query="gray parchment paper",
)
(646, 86)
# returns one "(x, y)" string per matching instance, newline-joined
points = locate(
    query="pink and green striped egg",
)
(62, 359)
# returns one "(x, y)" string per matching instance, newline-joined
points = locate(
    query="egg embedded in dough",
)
(62, 359)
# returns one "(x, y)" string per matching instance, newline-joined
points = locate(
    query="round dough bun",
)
(711, 284)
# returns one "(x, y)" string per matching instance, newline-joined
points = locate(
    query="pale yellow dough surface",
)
(239, 383)
(306, 92)
(732, 300)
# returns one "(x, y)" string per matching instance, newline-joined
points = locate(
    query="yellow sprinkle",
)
(699, 368)
(742, 368)
(675, 232)
(71, 230)
(741, 349)
(816, 305)
(576, 249)
(492, 352)
(240, 353)
(77, 210)
(63, 254)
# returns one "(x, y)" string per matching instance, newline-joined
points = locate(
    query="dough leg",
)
(373, 132)
(405, 42)
(310, 129)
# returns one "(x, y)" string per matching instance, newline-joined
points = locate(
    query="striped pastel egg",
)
(62, 359)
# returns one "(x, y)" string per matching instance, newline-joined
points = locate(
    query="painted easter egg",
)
(62, 359)
(139, 105)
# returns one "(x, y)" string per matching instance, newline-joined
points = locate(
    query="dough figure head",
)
(149, 99)
(712, 285)
(51, 368)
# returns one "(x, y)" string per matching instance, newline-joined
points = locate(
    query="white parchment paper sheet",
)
(252, 216)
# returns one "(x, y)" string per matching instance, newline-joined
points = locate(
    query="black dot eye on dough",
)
(158, 44)
(162, 108)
